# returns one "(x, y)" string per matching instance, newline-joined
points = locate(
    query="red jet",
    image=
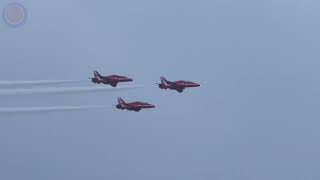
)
(113, 80)
(133, 106)
(176, 85)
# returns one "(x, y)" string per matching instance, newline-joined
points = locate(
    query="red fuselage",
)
(177, 85)
(112, 80)
(133, 106)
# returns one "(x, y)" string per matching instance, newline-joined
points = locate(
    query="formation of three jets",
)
(113, 80)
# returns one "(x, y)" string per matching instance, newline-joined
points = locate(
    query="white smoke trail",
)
(20, 110)
(67, 90)
(17, 84)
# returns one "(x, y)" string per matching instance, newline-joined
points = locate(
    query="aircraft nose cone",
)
(152, 106)
(127, 79)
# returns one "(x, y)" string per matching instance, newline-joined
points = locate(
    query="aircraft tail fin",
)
(96, 74)
(121, 101)
(164, 81)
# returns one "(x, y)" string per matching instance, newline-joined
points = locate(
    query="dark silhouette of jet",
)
(133, 106)
(112, 80)
(176, 85)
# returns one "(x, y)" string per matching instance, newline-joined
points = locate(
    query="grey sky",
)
(255, 117)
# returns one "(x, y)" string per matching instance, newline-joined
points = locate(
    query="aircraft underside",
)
(128, 108)
(113, 84)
